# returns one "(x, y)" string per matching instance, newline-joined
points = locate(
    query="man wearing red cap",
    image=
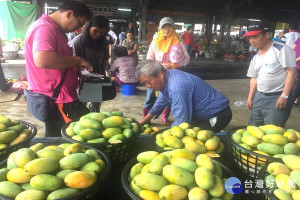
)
(273, 73)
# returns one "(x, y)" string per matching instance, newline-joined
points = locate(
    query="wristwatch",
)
(284, 96)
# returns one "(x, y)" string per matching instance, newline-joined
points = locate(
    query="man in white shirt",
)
(115, 42)
(292, 35)
(273, 73)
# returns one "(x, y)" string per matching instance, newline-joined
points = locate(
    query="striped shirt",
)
(191, 98)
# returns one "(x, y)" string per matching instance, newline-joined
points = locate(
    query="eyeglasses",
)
(79, 23)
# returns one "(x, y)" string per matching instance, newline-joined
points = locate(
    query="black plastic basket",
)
(118, 152)
(126, 184)
(4, 153)
(248, 161)
(85, 194)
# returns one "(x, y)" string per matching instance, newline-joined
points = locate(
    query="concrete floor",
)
(227, 77)
(234, 89)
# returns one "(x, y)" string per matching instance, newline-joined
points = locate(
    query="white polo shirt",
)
(269, 69)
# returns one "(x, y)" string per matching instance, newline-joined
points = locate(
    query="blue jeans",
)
(188, 49)
(150, 99)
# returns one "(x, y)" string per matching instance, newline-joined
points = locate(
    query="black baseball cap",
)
(256, 27)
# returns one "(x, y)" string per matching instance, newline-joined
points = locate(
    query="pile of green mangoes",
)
(50, 172)
(104, 127)
(268, 140)
(193, 139)
(148, 129)
(12, 132)
(284, 179)
(177, 174)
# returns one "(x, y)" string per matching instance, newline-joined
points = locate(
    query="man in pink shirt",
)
(50, 61)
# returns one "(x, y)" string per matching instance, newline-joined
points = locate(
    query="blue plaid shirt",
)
(191, 98)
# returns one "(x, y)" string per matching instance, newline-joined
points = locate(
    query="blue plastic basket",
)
(128, 89)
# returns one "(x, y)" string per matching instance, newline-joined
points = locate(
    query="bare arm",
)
(146, 119)
(51, 60)
(252, 91)
(135, 47)
(288, 86)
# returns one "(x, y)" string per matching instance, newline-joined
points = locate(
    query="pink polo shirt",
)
(45, 35)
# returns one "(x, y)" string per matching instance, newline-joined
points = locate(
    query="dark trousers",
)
(74, 110)
(264, 110)
(217, 122)
(3, 84)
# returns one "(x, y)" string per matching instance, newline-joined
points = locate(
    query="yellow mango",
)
(62, 193)
(173, 142)
(31, 194)
(135, 170)
(200, 142)
(7, 136)
(296, 195)
(182, 153)
(298, 143)
(184, 125)
(157, 164)
(291, 149)
(136, 189)
(18, 175)
(203, 160)
(23, 156)
(197, 129)
(197, 193)
(176, 131)
(160, 143)
(145, 169)
(185, 164)
(173, 192)
(282, 195)
(91, 167)
(5, 120)
(275, 139)
(195, 147)
(240, 131)
(291, 136)
(9, 189)
(250, 140)
(110, 132)
(37, 147)
(218, 188)
(90, 123)
(3, 127)
(41, 166)
(80, 179)
(255, 131)
(187, 139)
(146, 156)
(212, 144)
(274, 130)
(89, 133)
(11, 161)
(177, 175)
(148, 181)
(191, 133)
(55, 147)
(73, 161)
(50, 153)
(98, 116)
(70, 132)
(261, 160)
(292, 161)
(204, 135)
(18, 139)
(113, 122)
(63, 173)
(204, 178)
(148, 195)
(236, 137)
(284, 182)
(45, 182)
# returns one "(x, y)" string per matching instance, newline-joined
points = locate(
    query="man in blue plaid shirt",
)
(192, 100)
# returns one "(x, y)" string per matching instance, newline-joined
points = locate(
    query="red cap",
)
(251, 33)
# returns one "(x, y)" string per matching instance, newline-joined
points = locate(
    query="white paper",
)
(87, 73)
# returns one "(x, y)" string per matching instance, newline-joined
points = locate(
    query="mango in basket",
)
(148, 129)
